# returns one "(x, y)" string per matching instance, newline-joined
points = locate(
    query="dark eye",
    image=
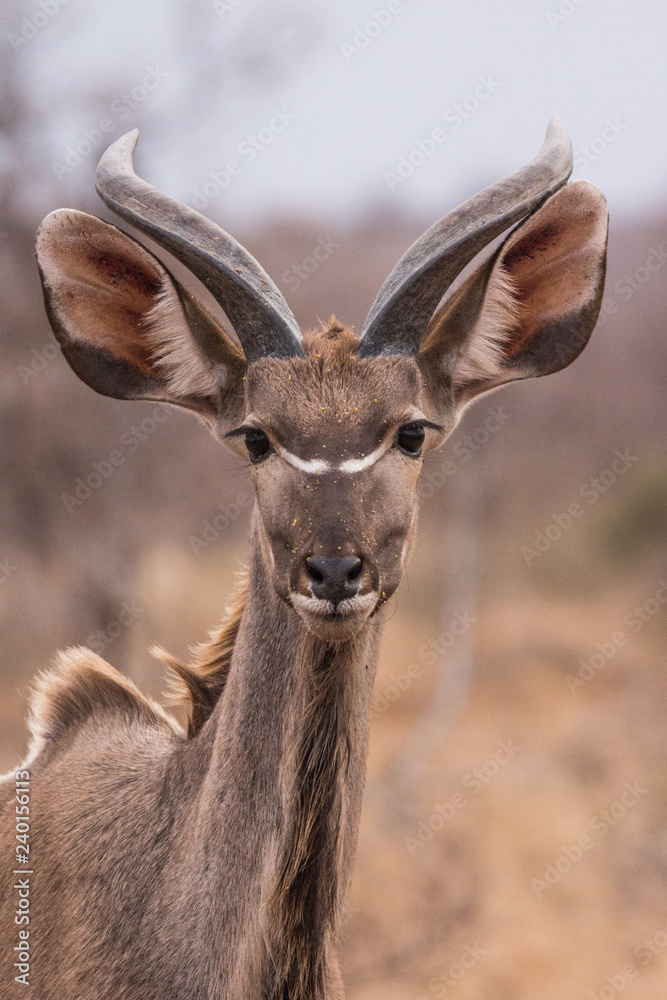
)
(411, 438)
(258, 445)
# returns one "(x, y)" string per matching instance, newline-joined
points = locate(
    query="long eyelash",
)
(240, 431)
(245, 428)
(422, 423)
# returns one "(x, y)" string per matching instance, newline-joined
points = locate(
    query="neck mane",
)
(284, 716)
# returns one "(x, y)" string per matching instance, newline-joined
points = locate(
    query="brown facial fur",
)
(333, 407)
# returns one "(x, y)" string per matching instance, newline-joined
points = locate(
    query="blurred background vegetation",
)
(515, 627)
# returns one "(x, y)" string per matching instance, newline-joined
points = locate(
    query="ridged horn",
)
(408, 298)
(257, 310)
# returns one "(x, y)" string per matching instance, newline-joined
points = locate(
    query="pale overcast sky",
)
(358, 87)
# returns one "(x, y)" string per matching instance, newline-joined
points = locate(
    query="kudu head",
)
(334, 425)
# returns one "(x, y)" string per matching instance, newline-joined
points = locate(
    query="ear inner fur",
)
(530, 308)
(125, 325)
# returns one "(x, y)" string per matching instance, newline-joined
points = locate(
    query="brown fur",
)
(215, 864)
(332, 397)
(198, 685)
(305, 901)
(80, 687)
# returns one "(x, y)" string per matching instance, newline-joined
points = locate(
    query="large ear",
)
(127, 327)
(527, 311)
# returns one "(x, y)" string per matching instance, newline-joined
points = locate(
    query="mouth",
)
(334, 622)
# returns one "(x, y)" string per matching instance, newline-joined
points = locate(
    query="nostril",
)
(315, 574)
(354, 572)
(334, 579)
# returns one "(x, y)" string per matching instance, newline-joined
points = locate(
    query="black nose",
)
(334, 579)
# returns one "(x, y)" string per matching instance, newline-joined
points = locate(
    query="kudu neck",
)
(291, 733)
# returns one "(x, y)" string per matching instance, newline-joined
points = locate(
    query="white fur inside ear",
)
(481, 355)
(176, 353)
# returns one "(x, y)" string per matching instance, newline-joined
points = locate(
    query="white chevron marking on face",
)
(315, 466)
(359, 464)
(311, 465)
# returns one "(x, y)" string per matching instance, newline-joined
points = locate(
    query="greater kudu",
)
(215, 862)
